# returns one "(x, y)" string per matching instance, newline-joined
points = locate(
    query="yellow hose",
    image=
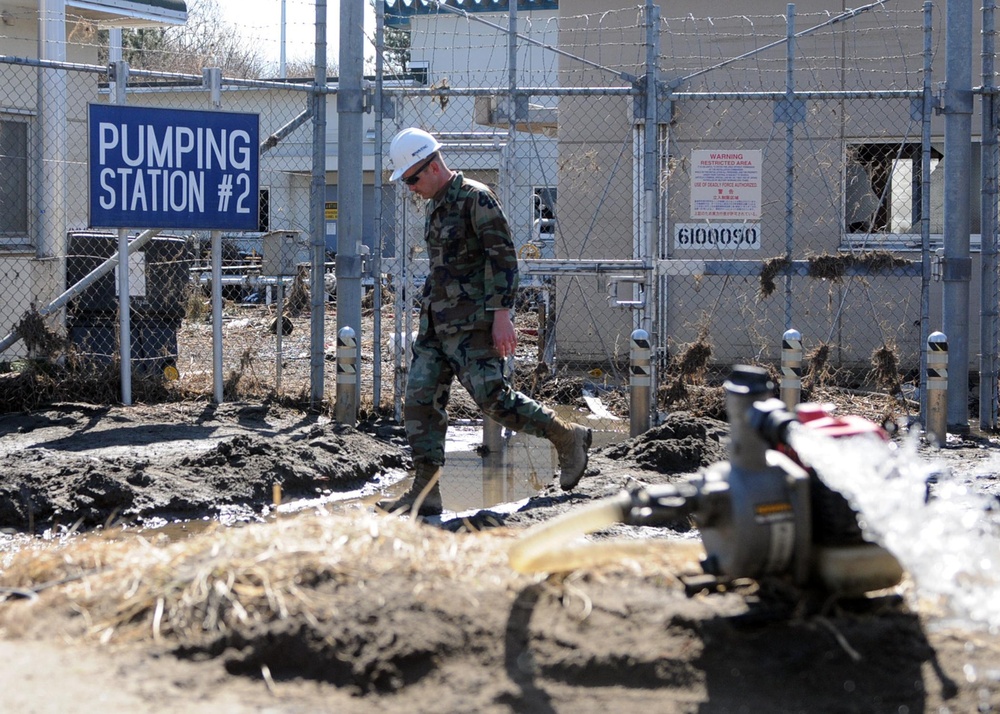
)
(547, 546)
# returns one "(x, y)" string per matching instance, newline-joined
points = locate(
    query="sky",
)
(260, 21)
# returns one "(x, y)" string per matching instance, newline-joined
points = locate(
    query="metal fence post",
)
(958, 106)
(640, 384)
(937, 388)
(492, 435)
(346, 411)
(990, 161)
(791, 368)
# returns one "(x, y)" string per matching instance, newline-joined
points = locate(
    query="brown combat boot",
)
(571, 442)
(424, 494)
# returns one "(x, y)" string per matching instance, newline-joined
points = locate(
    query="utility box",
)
(284, 251)
(159, 278)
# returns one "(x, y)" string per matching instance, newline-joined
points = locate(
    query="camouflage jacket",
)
(473, 263)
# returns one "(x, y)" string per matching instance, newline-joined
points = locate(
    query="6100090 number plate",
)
(715, 236)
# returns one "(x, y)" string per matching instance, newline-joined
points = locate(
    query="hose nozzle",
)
(771, 419)
(660, 505)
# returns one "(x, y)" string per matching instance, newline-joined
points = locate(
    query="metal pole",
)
(52, 136)
(650, 191)
(640, 384)
(317, 224)
(791, 368)
(281, 60)
(379, 226)
(211, 78)
(789, 154)
(925, 197)
(492, 430)
(216, 237)
(279, 333)
(990, 294)
(957, 268)
(124, 294)
(124, 318)
(492, 436)
(350, 178)
(937, 389)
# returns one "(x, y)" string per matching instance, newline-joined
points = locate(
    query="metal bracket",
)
(368, 97)
(352, 100)
(956, 269)
(937, 99)
(639, 100)
(937, 265)
(631, 281)
(953, 101)
(664, 106)
(211, 79)
(118, 72)
(789, 111)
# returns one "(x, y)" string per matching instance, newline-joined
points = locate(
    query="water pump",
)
(762, 512)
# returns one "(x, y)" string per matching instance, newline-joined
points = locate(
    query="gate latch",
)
(627, 291)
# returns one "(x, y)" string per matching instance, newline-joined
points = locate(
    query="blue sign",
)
(172, 168)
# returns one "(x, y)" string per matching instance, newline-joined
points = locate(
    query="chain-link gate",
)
(716, 193)
(492, 99)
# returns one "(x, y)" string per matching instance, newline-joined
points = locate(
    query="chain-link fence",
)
(712, 181)
(65, 281)
(789, 182)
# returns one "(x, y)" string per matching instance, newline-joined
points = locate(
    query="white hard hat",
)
(410, 147)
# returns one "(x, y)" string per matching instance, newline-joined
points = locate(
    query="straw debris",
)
(230, 582)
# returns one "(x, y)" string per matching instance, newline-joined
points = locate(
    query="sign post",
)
(170, 168)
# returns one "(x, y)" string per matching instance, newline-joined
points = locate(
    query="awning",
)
(130, 13)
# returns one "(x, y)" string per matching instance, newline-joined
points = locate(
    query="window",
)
(882, 189)
(544, 198)
(14, 186)
(264, 213)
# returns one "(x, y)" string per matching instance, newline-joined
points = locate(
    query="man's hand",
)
(504, 336)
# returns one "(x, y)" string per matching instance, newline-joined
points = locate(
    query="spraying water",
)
(944, 533)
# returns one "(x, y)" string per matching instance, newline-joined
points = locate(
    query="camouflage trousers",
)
(469, 356)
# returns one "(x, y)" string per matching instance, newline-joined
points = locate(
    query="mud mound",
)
(190, 469)
(682, 444)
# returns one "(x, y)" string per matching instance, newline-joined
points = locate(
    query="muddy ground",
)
(144, 568)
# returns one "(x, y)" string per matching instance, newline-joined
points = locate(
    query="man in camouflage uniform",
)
(466, 330)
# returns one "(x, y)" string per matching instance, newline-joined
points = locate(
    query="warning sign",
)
(726, 183)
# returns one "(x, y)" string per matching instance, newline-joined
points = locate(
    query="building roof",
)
(131, 13)
(399, 12)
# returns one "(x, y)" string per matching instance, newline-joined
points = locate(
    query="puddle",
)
(472, 480)
(525, 465)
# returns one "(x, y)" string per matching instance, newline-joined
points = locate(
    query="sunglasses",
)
(415, 176)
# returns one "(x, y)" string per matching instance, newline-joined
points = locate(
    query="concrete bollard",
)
(937, 389)
(791, 368)
(641, 384)
(346, 409)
